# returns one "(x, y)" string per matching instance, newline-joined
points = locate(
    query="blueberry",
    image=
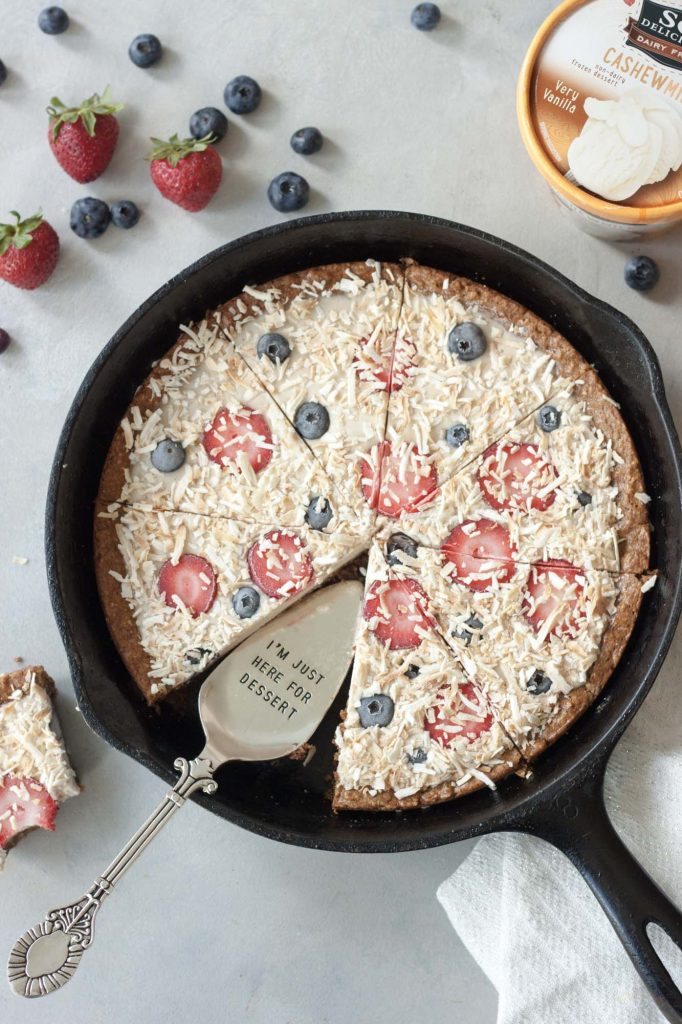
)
(53, 21)
(306, 141)
(641, 273)
(124, 214)
(208, 119)
(400, 542)
(412, 671)
(145, 50)
(538, 682)
(288, 192)
(197, 654)
(89, 217)
(318, 513)
(467, 341)
(376, 710)
(466, 632)
(3, 73)
(246, 602)
(242, 95)
(168, 456)
(457, 435)
(311, 420)
(425, 17)
(584, 498)
(417, 757)
(274, 346)
(4, 340)
(549, 418)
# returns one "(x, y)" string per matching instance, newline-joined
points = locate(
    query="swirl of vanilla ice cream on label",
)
(626, 143)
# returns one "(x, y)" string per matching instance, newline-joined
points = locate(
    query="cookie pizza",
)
(421, 421)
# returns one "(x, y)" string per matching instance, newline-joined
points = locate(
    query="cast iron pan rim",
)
(494, 820)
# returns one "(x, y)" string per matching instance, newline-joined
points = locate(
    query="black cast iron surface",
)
(285, 801)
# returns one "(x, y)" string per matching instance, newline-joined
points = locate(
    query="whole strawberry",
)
(29, 251)
(84, 138)
(186, 171)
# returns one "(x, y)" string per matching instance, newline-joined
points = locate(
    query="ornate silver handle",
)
(46, 956)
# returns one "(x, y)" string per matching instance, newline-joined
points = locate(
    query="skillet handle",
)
(578, 825)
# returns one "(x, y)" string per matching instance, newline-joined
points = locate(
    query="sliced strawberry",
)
(279, 563)
(373, 361)
(516, 476)
(24, 804)
(233, 432)
(191, 580)
(400, 612)
(553, 598)
(480, 552)
(463, 713)
(398, 481)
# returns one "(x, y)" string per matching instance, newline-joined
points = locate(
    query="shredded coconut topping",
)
(171, 635)
(30, 746)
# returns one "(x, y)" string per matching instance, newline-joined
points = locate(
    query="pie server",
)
(262, 702)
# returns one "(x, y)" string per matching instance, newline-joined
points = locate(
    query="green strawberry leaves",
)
(176, 149)
(20, 235)
(88, 112)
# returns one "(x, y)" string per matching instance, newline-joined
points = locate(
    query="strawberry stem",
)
(90, 109)
(176, 149)
(20, 235)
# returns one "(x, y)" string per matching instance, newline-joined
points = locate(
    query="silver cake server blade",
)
(262, 701)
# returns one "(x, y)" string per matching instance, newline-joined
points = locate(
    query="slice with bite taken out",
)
(35, 773)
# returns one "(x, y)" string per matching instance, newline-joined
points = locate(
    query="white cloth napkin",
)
(530, 921)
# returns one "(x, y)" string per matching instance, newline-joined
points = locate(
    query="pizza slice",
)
(203, 436)
(321, 342)
(35, 774)
(562, 485)
(179, 590)
(417, 729)
(541, 640)
(469, 364)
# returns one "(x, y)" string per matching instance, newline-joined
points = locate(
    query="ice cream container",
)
(599, 104)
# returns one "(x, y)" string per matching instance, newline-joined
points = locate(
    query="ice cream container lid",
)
(599, 103)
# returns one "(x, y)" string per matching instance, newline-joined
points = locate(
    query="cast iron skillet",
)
(563, 802)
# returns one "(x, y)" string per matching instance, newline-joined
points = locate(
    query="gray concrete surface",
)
(219, 925)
